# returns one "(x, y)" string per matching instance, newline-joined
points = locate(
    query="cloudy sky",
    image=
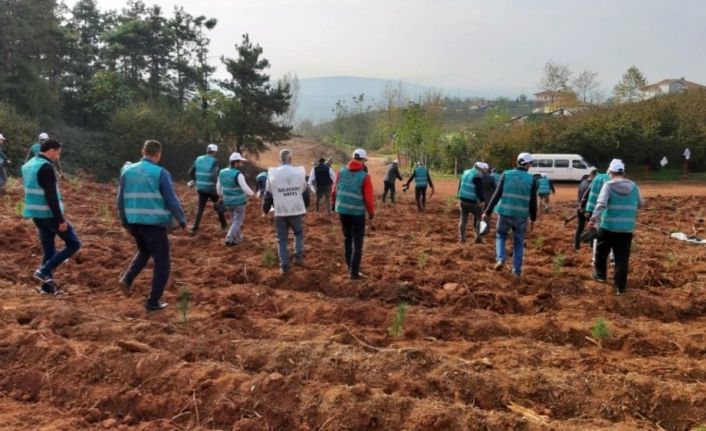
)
(498, 45)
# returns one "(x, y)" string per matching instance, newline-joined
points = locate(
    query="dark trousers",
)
(389, 187)
(581, 218)
(353, 232)
(466, 208)
(48, 231)
(420, 195)
(620, 243)
(325, 194)
(151, 242)
(220, 210)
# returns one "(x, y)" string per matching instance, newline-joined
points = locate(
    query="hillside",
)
(478, 349)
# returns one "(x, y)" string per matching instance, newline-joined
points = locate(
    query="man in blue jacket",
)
(44, 205)
(147, 203)
(204, 173)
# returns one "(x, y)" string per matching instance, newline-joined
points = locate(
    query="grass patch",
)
(559, 262)
(538, 241)
(600, 330)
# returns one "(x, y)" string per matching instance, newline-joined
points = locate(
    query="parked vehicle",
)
(560, 167)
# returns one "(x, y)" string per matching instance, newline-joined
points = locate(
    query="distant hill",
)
(318, 96)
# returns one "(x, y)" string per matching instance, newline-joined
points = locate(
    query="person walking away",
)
(487, 181)
(204, 173)
(146, 205)
(321, 179)
(422, 180)
(234, 192)
(260, 184)
(4, 162)
(353, 196)
(35, 149)
(582, 200)
(44, 205)
(615, 215)
(593, 192)
(286, 190)
(392, 174)
(545, 188)
(470, 196)
(516, 197)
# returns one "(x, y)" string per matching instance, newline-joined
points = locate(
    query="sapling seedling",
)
(559, 262)
(600, 330)
(397, 327)
(268, 257)
(183, 303)
(422, 260)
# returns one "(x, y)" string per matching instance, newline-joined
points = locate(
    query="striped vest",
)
(621, 212)
(467, 190)
(349, 192)
(544, 187)
(596, 186)
(205, 179)
(233, 195)
(142, 200)
(517, 191)
(421, 176)
(36, 205)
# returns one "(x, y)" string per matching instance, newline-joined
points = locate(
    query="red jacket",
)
(368, 197)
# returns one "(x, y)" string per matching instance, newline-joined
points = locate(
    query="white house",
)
(668, 86)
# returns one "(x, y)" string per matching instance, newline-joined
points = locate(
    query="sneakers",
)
(358, 276)
(193, 231)
(299, 261)
(230, 243)
(598, 278)
(43, 276)
(619, 291)
(499, 265)
(50, 290)
(156, 307)
(283, 270)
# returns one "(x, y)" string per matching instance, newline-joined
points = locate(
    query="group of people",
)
(607, 203)
(148, 205)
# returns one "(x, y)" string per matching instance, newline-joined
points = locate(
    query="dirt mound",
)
(478, 349)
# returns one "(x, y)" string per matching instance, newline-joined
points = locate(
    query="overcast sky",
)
(487, 44)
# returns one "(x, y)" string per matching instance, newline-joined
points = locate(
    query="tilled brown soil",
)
(312, 351)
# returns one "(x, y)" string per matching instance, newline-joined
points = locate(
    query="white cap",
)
(43, 136)
(544, 175)
(524, 158)
(616, 165)
(478, 165)
(360, 154)
(235, 157)
(484, 166)
(212, 148)
(2, 138)
(397, 162)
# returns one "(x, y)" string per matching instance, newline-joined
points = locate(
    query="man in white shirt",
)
(234, 192)
(287, 186)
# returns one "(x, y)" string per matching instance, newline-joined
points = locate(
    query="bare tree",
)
(586, 86)
(556, 78)
(287, 119)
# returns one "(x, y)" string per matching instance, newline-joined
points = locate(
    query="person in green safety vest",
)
(615, 216)
(516, 197)
(422, 180)
(44, 205)
(545, 187)
(204, 174)
(470, 196)
(234, 192)
(147, 204)
(34, 150)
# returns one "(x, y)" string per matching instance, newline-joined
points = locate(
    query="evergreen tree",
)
(250, 113)
(629, 88)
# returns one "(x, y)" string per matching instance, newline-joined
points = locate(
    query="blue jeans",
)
(519, 228)
(48, 230)
(152, 241)
(238, 215)
(282, 226)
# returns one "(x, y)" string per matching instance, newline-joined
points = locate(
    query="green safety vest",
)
(233, 195)
(421, 176)
(36, 205)
(621, 212)
(205, 178)
(468, 189)
(349, 192)
(544, 187)
(517, 192)
(36, 149)
(596, 186)
(142, 200)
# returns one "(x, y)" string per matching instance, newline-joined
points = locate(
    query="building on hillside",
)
(546, 96)
(668, 86)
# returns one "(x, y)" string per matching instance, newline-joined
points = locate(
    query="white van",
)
(560, 167)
